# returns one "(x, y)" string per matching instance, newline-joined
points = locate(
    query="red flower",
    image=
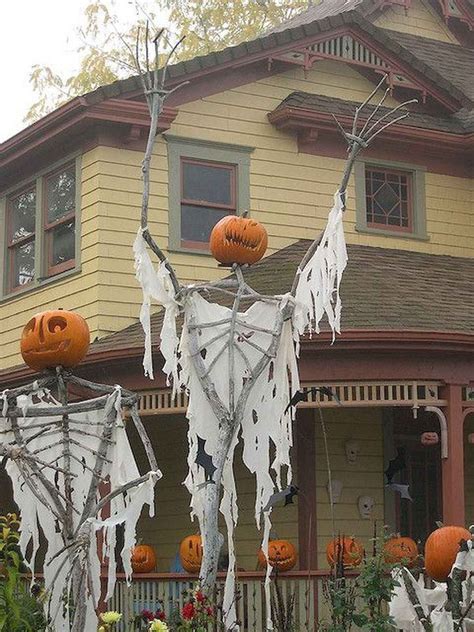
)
(210, 611)
(188, 611)
(200, 596)
(147, 615)
(160, 615)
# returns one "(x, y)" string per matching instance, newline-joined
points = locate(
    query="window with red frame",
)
(59, 219)
(389, 199)
(21, 214)
(208, 193)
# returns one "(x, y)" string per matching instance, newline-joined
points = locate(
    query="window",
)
(206, 182)
(390, 199)
(40, 228)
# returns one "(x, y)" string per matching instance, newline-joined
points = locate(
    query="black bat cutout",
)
(204, 460)
(396, 465)
(285, 494)
(303, 395)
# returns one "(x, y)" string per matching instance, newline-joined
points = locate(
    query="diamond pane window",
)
(389, 199)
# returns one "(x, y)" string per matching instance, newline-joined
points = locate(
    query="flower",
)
(200, 596)
(160, 614)
(188, 611)
(158, 626)
(210, 611)
(111, 617)
(147, 615)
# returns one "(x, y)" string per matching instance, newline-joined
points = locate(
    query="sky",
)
(37, 32)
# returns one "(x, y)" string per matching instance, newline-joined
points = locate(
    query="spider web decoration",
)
(59, 457)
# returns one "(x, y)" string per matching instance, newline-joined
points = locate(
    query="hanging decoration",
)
(238, 362)
(67, 461)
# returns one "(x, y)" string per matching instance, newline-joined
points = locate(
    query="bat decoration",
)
(303, 395)
(402, 489)
(285, 494)
(205, 460)
(396, 465)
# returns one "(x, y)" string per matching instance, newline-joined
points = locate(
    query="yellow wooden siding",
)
(78, 291)
(420, 19)
(290, 192)
(363, 478)
(469, 470)
(172, 522)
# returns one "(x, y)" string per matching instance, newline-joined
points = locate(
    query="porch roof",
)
(382, 290)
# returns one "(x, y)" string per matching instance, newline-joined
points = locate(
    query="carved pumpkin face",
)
(281, 555)
(441, 549)
(190, 553)
(429, 438)
(143, 559)
(401, 550)
(238, 240)
(349, 549)
(54, 338)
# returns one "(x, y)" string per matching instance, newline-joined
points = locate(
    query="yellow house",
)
(253, 129)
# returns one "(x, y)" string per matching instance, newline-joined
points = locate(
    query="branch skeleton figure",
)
(241, 375)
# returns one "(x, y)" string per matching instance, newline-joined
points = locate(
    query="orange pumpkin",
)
(441, 549)
(401, 550)
(350, 549)
(190, 553)
(281, 555)
(54, 338)
(238, 240)
(143, 559)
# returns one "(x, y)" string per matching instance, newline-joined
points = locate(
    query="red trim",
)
(453, 466)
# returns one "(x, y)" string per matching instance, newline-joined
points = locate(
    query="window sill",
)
(190, 251)
(37, 285)
(392, 233)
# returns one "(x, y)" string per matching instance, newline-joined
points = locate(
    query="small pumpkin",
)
(54, 338)
(350, 549)
(190, 553)
(239, 240)
(429, 438)
(143, 559)
(281, 555)
(401, 550)
(441, 549)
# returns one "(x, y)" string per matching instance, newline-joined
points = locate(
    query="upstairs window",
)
(39, 232)
(389, 199)
(207, 181)
(208, 194)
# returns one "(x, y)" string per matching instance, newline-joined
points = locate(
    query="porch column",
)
(306, 471)
(453, 466)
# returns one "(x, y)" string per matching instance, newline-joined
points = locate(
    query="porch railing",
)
(167, 590)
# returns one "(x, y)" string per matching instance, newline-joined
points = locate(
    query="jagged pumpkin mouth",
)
(238, 239)
(59, 346)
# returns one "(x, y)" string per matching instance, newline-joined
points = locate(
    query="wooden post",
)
(306, 469)
(453, 466)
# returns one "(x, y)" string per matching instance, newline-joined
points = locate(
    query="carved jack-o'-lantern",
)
(349, 549)
(281, 554)
(143, 559)
(190, 553)
(429, 438)
(54, 338)
(401, 550)
(238, 240)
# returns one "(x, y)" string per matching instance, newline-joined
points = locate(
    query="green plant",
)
(20, 610)
(283, 608)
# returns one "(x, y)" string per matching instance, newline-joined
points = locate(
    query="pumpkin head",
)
(143, 559)
(54, 338)
(400, 550)
(190, 553)
(429, 438)
(238, 240)
(441, 549)
(350, 549)
(281, 555)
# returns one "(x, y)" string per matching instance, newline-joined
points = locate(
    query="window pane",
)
(23, 264)
(63, 239)
(61, 194)
(387, 200)
(22, 215)
(207, 183)
(197, 222)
